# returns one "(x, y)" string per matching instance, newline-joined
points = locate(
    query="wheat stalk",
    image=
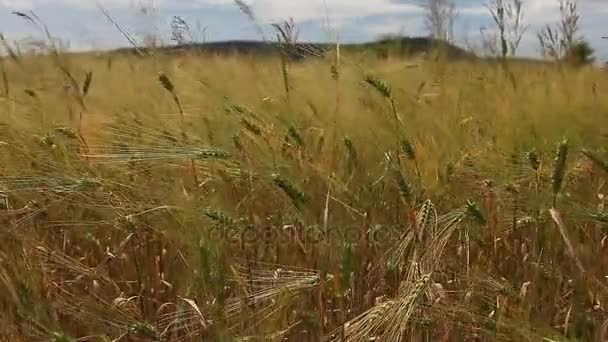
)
(596, 159)
(385, 90)
(559, 169)
(557, 218)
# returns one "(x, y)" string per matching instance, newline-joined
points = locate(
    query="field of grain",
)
(344, 198)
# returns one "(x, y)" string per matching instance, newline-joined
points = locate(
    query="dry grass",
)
(185, 198)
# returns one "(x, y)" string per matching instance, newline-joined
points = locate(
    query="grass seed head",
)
(474, 214)
(66, 132)
(219, 217)
(426, 221)
(237, 142)
(166, 82)
(30, 93)
(144, 330)
(169, 136)
(559, 166)
(211, 154)
(351, 151)
(449, 171)
(87, 83)
(61, 337)
(348, 264)
(335, 73)
(297, 197)
(408, 149)
(599, 216)
(382, 87)
(533, 160)
(293, 133)
(251, 127)
(405, 189)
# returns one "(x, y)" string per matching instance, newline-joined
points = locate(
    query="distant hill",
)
(412, 46)
(406, 46)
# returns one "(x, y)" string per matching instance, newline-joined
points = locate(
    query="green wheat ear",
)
(335, 73)
(251, 127)
(30, 93)
(169, 136)
(211, 154)
(168, 85)
(448, 172)
(408, 149)
(473, 213)
(405, 189)
(219, 217)
(143, 330)
(293, 133)
(87, 83)
(348, 264)
(237, 142)
(66, 132)
(599, 216)
(596, 159)
(351, 152)
(426, 220)
(297, 197)
(61, 337)
(559, 166)
(320, 144)
(533, 160)
(382, 87)
(166, 82)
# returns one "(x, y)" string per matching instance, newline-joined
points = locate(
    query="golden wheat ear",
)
(267, 289)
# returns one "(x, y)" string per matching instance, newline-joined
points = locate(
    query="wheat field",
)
(197, 197)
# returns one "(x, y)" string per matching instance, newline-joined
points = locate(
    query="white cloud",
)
(544, 11)
(411, 27)
(17, 4)
(302, 10)
(268, 10)
(87, 4)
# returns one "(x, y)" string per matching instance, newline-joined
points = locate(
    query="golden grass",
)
(185, 198)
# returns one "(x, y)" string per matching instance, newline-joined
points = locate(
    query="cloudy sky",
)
(81, 23)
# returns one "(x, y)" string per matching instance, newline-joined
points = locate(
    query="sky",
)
(81, 23)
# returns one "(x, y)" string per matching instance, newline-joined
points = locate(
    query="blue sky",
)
(81, 23)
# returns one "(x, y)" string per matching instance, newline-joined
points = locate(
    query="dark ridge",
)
(382, 48)
(229, 47)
